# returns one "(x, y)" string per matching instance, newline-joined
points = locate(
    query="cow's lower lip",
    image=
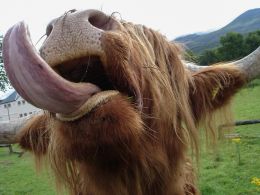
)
(92, 103)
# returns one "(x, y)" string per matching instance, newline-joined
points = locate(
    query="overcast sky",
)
(171, 17)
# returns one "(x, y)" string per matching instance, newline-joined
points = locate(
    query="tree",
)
(4, 82)
(252, 41)
(209, 57)
(232, 47)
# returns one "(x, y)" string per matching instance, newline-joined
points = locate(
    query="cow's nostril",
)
(49, 29)
(72, 11)
(102, 21)
(51, 24)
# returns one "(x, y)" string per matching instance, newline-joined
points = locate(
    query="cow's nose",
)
(76, 34)
(94, 18)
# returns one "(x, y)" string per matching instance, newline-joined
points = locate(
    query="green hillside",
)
(247, 22)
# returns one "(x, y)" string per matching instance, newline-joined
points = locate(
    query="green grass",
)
(219, 172)
(18, 176)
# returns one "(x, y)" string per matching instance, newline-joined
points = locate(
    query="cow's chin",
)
(111, 131)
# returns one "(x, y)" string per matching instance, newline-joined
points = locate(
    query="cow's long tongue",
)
(35, 81)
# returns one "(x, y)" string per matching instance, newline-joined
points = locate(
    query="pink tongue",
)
(35, 81)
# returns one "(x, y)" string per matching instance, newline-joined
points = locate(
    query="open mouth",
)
(86, 69)
(90, 69)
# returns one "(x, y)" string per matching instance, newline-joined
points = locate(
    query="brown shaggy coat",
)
(122, 149)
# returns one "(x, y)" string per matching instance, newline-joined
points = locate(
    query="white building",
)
(13, 107)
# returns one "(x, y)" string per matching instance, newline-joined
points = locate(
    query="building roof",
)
(9, 97)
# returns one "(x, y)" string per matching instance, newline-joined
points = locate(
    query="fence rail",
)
(238, 123)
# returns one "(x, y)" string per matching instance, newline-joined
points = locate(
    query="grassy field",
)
(18, 176)
(220, 172)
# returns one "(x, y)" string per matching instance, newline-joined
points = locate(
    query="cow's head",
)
(89, 58)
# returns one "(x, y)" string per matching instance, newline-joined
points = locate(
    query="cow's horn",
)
(250, 64)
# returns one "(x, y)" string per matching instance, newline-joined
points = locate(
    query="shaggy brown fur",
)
(121, 148)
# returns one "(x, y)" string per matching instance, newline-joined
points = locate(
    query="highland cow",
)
(122, 109)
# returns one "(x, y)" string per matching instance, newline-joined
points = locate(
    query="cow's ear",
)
(213, 87)
(34, 135)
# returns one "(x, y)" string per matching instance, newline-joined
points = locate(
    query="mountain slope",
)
(247, 22)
